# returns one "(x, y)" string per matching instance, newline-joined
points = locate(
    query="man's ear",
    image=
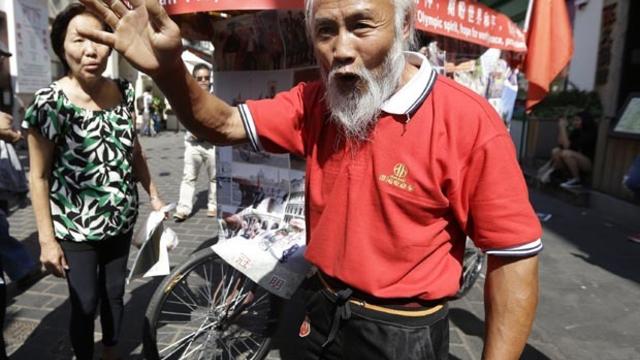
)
(406, 26)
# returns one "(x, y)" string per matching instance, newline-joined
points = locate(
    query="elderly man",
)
(401, 166)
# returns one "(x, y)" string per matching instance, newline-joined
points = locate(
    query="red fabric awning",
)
(465, 20)
(176, 7)
(470, 21)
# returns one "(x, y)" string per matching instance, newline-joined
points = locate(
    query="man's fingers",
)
(157, 14)
(136, 3)
(102, 11)
(99, 36)
(110, 17)
(118, 7)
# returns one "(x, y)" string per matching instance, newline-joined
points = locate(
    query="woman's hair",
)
(588, 122)
(59, 29)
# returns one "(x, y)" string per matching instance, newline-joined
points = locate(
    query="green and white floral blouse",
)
(92, 188)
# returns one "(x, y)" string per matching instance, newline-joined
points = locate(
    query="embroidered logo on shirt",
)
(398, 179)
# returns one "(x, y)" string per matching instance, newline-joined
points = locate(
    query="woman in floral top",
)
(85, 162)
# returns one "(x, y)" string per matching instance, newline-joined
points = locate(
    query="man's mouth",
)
(347, 78)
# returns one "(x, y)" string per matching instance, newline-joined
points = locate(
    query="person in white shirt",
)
(197, 153)
(147, 102)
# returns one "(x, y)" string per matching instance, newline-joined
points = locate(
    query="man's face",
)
(358, 46)
(350, 35)
(203, 77)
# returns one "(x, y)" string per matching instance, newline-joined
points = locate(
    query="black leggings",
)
(96, 275)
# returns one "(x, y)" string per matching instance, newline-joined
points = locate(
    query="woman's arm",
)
(141, 173)
(40, 161)
(563, 135)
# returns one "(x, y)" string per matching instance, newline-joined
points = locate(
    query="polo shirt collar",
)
(412, 94)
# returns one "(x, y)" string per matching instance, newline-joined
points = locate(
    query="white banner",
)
(32, 45)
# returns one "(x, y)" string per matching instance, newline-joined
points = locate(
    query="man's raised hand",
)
(142, 32)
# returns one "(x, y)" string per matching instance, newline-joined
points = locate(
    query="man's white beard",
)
(356, 110)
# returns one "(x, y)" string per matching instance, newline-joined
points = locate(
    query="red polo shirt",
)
(390, 216)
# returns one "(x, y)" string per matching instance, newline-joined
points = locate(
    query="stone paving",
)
(36, 324)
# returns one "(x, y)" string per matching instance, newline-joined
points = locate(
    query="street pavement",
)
(589, 283)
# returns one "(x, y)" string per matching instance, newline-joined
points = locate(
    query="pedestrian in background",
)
(6, 134)
(19, 265)
(575, 151)
(402, 165)
(148, 127)
(197, 154)
(85, 161)
(631, 181)
(15, 260)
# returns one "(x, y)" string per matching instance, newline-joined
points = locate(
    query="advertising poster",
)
(32, 45)
(266, 40)
(629, 122)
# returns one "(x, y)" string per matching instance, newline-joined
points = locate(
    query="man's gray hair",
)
(405, 10)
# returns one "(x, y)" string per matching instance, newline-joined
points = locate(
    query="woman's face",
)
(87, 59)
(576, 122)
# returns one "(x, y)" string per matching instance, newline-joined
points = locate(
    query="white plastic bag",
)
(154, 241)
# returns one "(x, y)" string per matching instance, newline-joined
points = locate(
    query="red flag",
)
(550, 47)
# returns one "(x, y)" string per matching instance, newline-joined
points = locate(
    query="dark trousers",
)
(3, 311)
(370, 334)
(96, 275)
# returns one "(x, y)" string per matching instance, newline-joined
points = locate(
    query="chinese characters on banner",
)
(470, 21)
(461, 19)
(175, 7)
(32, 45)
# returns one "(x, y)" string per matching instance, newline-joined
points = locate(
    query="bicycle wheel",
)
(472, 266)
(206, 309)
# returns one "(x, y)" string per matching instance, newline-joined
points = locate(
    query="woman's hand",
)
(156, 203)
(53, 259)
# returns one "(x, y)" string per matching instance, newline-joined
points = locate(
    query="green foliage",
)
(158, 105)
(568, 103)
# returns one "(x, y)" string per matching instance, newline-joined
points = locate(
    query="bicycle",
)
(206, 309)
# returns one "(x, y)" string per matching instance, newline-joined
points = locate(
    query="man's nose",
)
(343, 50)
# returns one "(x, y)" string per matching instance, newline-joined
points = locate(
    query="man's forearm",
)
(511, 298)
(205, 115)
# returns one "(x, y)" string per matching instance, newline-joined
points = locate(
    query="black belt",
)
(410, 305)
(344, 296)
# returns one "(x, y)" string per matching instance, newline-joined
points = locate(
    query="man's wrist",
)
(168, 75)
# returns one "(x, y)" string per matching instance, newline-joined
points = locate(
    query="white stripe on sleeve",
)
(528, 249)
(250, 127)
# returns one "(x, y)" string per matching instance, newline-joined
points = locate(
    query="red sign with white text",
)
(470, 21)
(465, 20)
(175, 7)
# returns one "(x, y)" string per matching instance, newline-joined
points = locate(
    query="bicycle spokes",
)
(213, 312)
